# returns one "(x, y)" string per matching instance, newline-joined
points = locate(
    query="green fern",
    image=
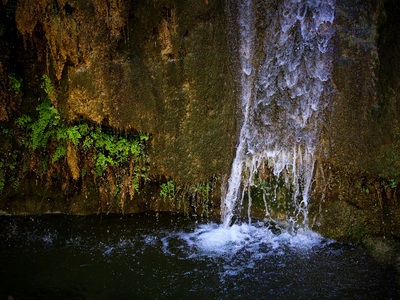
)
(60, 152)
(23, 121)
(73, 134)
(47, 86)
(87, 143)
(46, 125)
(48, 131)
(168, 190)
(102, 162)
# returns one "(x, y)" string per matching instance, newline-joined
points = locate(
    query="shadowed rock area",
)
(357, 180)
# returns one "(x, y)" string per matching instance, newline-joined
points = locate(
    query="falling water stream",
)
(283, 97)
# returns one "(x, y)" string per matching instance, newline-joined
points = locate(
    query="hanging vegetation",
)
(93, 153)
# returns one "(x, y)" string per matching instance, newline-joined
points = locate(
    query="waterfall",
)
(284, 91)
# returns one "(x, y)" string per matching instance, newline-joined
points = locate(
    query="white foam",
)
(255, 239)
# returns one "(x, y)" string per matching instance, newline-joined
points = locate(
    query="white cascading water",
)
(246, 84)
(282, 98)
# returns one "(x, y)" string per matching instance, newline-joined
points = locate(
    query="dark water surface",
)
(171, 257)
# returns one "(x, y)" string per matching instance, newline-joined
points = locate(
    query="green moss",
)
(383, 250)
(15, 82)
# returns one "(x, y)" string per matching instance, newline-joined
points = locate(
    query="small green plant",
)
(55, 9)
(16, 83)
(46, 125)
(168, 190)
(365, 190)
(23, 121)
(391, 184)
(201, 194)
(8, 170)
(202, 189)
(196, 197)
(47, 87)
(60, 152)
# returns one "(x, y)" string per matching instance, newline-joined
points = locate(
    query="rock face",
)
(359, 168)
(161, 68)
(165, 68)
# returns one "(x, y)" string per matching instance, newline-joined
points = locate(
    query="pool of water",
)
(166, 256)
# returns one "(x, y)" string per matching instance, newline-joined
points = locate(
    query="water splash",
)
(283, 97)
(216, 240)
